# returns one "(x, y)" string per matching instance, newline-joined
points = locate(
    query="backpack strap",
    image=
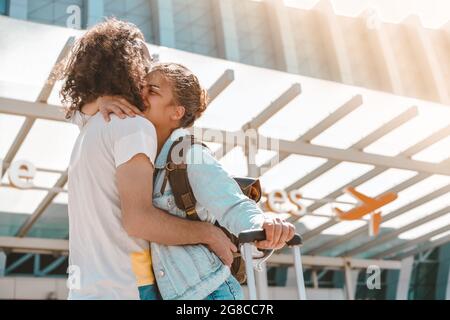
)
(176, 175)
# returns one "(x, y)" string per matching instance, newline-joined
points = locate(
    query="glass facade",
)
(56, 12)
(3, 7)
(135, 11)
(195, 29)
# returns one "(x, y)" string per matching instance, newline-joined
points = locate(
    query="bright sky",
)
(434, 13)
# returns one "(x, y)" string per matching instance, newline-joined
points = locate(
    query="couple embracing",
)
(127, 236)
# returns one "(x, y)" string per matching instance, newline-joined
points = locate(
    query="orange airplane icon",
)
(367, 205)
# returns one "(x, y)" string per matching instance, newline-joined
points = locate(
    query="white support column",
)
(336, 38)
(93, 12)
(2, 264)
(250, 151)
(18, 9)
(430, 63)
(350, 283)
(404, 278)
(355, 275)
(227, 38)
(282, 36)
(387, 57)
(163, 23)
(447, 292)
(261, 283)
(315, 279)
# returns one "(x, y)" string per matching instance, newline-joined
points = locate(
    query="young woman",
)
(175, 100)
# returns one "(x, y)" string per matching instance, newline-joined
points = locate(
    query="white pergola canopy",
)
(329, 135)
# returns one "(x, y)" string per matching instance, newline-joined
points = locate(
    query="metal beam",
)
(326, 123)
(42, 98)
(394, 214)
(56, 190)
(399, 162)
(408, 244)
(392, 235)
(355, 156)
(418, 147)
(275, 106)
(333, 262)
(425, 247)
(335, 242)
(46, 111)
(52, 266)
(337, 115)
(28, 224)
(284, 99)
(214, 91)
(31, 109)
(360, 145)
(36, 265)
(388, 127)
(425, 255)
(35, 245)
(437, 193)
(18, 140)
(221, 84)
(59, 246)
(427, 142)
(40, 169)
(435, 137)
(296, 147)
(19, 262)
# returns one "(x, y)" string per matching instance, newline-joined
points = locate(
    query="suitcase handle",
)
(260, 235)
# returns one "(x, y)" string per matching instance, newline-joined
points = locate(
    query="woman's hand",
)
(117, 105)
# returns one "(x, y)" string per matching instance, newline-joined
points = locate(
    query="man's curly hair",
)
(108, 59)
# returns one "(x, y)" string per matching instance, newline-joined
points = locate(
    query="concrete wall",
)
(33, 288)
(49, 288)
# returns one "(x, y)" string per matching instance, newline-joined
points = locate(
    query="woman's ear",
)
(178, 113)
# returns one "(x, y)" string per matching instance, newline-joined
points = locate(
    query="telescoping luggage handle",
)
(260, 235)
(246, 239)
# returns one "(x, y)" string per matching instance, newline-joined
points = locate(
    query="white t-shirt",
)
(104, 261)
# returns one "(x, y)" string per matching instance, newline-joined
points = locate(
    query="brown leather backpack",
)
(176, 175)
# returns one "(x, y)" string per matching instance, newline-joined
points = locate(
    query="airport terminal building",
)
(351, 103)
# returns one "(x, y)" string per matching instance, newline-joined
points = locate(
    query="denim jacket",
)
(192, 271)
